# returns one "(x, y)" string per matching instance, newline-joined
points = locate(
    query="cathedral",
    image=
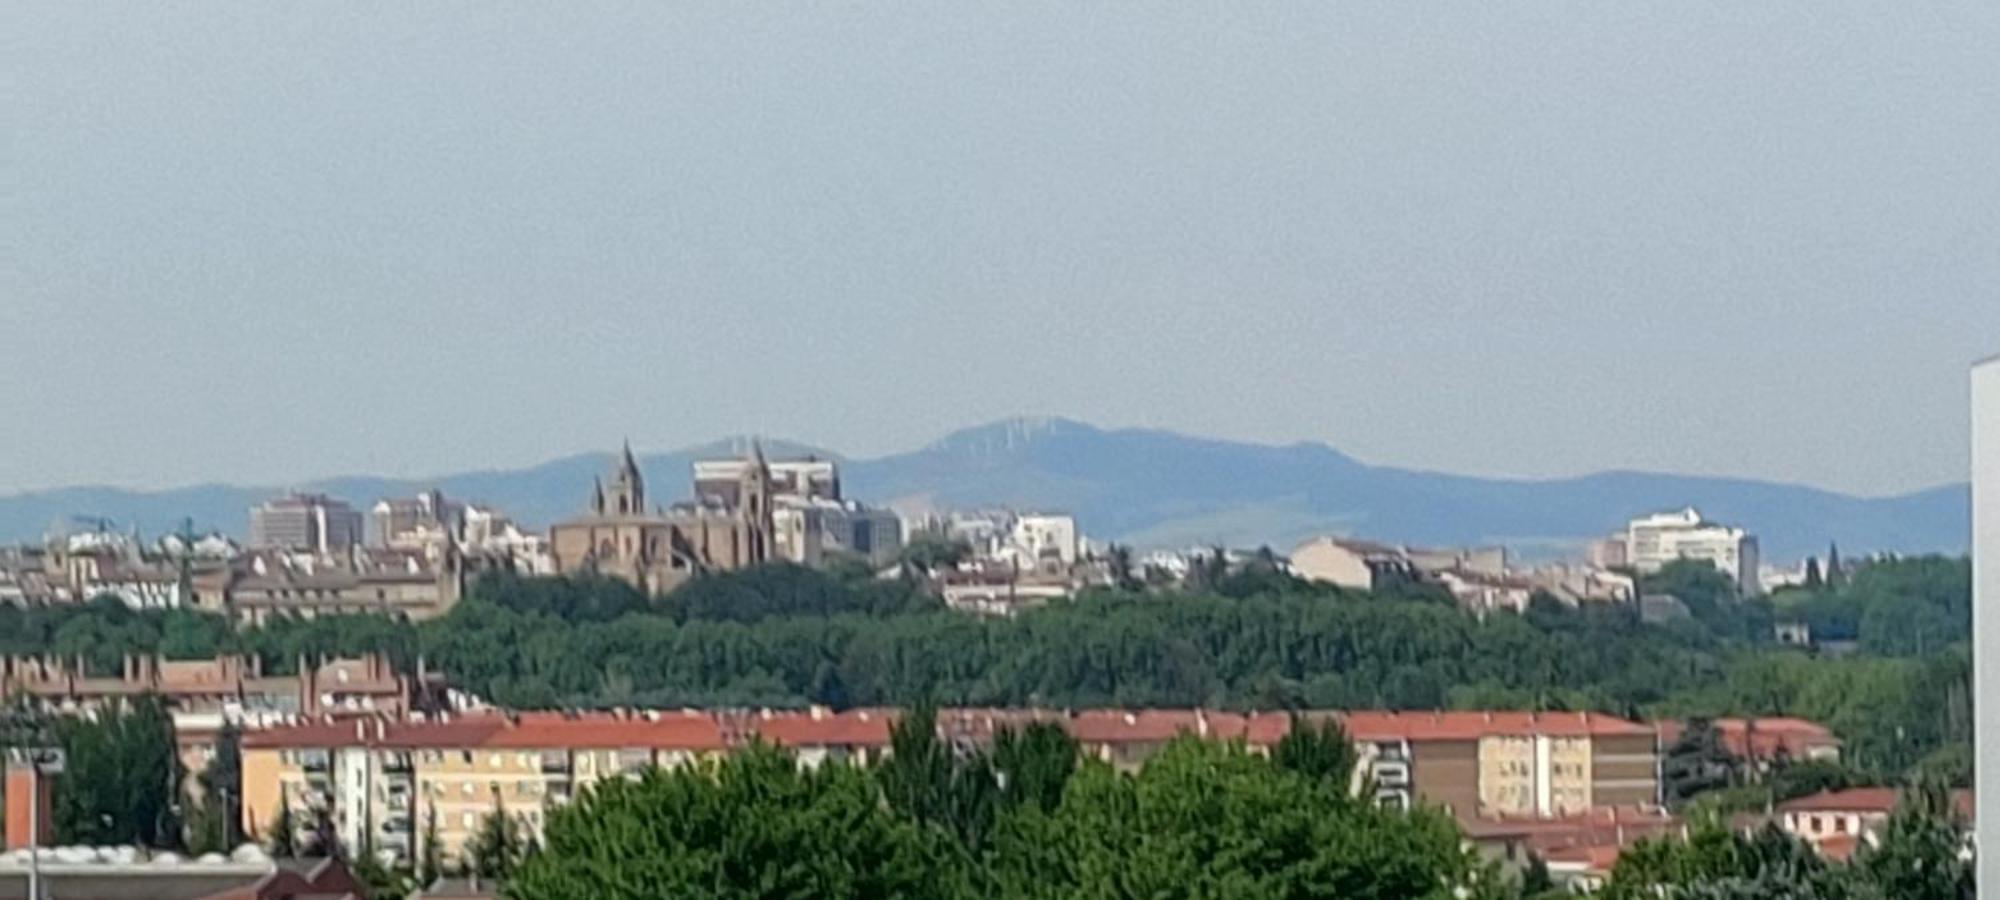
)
(658, 549)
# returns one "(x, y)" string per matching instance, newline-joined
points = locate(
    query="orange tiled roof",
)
(696, 729)
(1865, 801)
(1115, 726)
(1471, 726)
(853, 728)
(1761, 738)
(678, 730)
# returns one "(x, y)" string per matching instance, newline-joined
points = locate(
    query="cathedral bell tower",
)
(627, 494)
(755, 507)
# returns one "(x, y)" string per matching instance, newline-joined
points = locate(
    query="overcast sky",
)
(253, 243)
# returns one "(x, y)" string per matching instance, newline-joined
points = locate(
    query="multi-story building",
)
(405, 584)
(388, 782)
(416, 522)
(1355, 564)
(1986, 606)
(487, 534)
(656, 550)
(1479, 764)
(314, 523)
(203, 695)
(1047, 542)
(386, 779)
(1045, 539)
(1650, 542)
(809, 530)
(720, 481)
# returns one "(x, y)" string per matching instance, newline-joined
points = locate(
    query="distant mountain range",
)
(1147, 488)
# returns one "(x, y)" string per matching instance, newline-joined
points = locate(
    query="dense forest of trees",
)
(785, 636)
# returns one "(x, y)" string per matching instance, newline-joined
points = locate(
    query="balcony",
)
(555, 763)
(1390, 774)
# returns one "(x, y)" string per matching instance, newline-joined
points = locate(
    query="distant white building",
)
(310, 522)
(1986, 606)
(1043, 537)
(1030, 541)
(1650, 542)
(484, 530)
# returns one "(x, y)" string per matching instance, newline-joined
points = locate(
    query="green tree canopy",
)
(753, 825)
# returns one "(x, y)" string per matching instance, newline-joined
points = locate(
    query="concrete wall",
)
(1986, 611)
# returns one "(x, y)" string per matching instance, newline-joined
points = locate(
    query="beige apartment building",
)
(385, 781)
(1510, 764)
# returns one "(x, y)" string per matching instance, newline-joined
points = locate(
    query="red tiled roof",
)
(1114, 726)
(1471, 726)
(1865, 801)
(375, 731)
(853, 728)
(1761, 738)
(870, 727)
(682, 730)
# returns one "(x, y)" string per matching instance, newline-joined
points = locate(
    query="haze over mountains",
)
(1144, 487)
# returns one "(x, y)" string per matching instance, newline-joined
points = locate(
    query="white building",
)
(485, 530)
(1043, 537)
(310, 522)
(1986, 606)
(1046, 542)
(1650, 542)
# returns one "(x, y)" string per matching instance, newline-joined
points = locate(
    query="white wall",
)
(1986, 611)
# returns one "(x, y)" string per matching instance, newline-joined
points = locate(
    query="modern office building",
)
(1986, 606)
(314, 523)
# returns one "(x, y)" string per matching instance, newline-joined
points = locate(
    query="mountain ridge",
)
(1147, 486)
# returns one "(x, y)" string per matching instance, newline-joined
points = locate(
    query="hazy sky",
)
(255, 243)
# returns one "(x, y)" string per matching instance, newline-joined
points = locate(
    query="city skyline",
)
(1598, 237)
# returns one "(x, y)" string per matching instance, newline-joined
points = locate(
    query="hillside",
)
(1149, 488)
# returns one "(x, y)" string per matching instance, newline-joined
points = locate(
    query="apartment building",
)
(1355, 564)
(1478, 764)
(383, 778)
(424, 520)
(386, 781)
(1650, 542)
(203, 695)
(405, 584)
(313, 523)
